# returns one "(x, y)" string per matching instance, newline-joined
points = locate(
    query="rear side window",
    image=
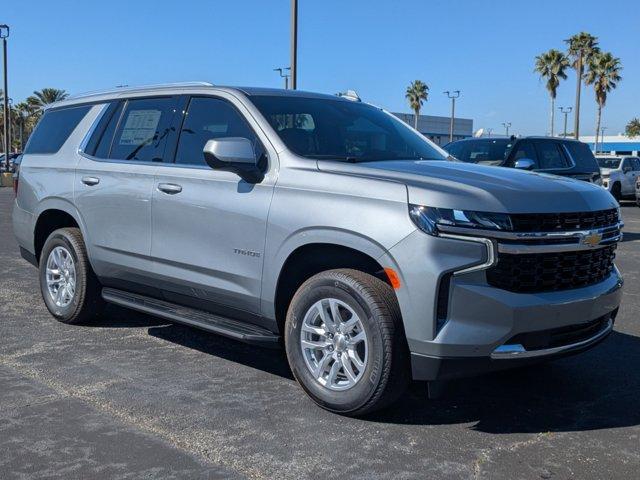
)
(582, 156)
(54, 129)
(142, 130)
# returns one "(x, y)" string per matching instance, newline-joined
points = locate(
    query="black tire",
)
(616, 191)
(87, 303)
(386, 373)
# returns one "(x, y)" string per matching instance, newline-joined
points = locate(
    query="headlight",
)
(427, 219)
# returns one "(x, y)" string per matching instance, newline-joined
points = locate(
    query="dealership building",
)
(614, 144)
(437, 128)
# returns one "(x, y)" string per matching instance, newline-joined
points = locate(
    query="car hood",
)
(469, 186)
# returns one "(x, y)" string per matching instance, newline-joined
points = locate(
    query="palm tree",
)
(632, 129)
(581, 47)
(417, 93)
(604, 75)
(551, 66)
(25, 121)
(40, 99)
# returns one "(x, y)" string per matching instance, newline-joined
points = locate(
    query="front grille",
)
(550, 222)
(545, 272)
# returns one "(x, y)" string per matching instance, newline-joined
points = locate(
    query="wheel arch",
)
(308, 259)
(53, 214)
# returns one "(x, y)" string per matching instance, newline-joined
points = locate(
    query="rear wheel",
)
(69, 287)
(344, 342)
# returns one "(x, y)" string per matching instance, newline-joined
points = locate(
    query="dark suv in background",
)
(558, 156)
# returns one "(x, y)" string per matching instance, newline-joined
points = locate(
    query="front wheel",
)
(69, 287)
(344, 342)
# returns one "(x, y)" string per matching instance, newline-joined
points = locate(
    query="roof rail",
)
(126, 88)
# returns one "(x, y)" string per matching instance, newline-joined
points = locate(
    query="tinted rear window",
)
(54, 128)
(582, 156)
(612, 163)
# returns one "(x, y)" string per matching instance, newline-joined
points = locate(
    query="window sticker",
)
(140, 127)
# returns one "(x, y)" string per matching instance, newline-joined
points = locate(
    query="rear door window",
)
(550, 156)
(142, 130)
(54, 129)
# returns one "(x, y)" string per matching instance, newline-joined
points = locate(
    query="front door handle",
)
(169, 188)
(91, 181)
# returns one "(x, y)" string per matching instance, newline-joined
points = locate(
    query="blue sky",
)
(484, 48)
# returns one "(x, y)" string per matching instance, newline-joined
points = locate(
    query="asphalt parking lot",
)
(136, 397)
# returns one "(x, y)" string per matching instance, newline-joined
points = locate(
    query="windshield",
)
(344, 130)
(611, 163)
(488, 152)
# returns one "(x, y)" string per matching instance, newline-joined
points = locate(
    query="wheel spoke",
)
(313, 344)
(359, 337)
(348, 369)
(335, 312)
(333, 373)
(329, 322)
(322, 365)
(353, 355)
(350, 324)
(315, 330)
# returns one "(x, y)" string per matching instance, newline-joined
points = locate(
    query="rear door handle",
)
(169, 188)
(91, 181)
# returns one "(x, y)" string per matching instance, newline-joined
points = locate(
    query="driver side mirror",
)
(233, 154)
(524, 164)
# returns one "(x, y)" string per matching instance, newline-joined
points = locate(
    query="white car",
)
(619, 174)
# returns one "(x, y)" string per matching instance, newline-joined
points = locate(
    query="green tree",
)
(552, 66)
(632, 129)
(40, 99)
(580, 48)
(417, 93)
(604, 75)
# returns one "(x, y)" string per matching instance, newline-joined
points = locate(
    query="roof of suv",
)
(125, 92)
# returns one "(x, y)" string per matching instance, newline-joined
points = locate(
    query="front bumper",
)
(426, 367)
(481, 319)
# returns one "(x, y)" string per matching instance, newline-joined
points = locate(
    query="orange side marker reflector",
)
(393, 277)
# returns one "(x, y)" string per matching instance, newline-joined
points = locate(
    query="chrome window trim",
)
(92, 129)
(506, 352)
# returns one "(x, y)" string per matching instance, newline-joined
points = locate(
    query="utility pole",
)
(602, 129)
(566, 111)
(489, 130)
(452, 95)
(506, 126)
(4, 34)
(284, 75)
(294, 44)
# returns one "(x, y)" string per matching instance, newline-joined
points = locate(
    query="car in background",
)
(638, 191)
(12, 158)
(558, 156)
(619, 174)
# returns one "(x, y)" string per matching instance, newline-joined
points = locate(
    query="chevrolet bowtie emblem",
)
(592, 239)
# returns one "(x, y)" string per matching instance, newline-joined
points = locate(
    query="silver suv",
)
(316, 221)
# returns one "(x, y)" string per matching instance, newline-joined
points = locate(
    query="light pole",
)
(489, 130)
(566, 111)
(602, 129)
(10, 121)
(294, 44)
(452, 95)
(284, 75)
(506, 126)
(4, 34)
